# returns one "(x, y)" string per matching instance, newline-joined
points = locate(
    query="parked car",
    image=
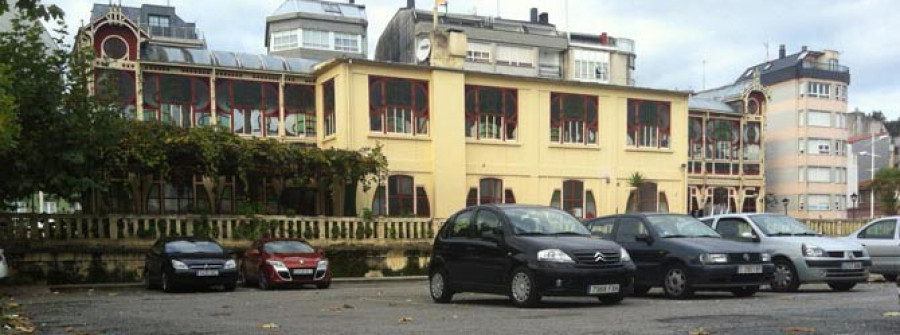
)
(801, 255)
(683, 255)
(176, 262)
(525, 252)
(881, 238)
(276, 262)
(4, 268)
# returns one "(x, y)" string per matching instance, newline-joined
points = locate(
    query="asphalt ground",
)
(406, 308)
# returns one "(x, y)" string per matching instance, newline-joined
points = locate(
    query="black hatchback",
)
(525, 252)
(176, 262)
(683, 255)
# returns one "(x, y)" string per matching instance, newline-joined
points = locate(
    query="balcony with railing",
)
(832, 67)
(826, 71)
(183, 33)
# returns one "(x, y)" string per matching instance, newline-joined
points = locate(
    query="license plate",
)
(303, 271)
(851, 266)
(742, 269)
(207, 273)
(603, 289)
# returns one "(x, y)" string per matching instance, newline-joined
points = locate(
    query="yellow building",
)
(455, 138)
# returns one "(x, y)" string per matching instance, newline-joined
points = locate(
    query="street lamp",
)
(872, 170)
(853, 198)
(785, 202)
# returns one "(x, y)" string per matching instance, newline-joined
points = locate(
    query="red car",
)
(274, 262)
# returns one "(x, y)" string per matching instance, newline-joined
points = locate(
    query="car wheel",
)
(522, 290)
(262, 281)
(742, 292)
(611, 300)
(167, 285)
(786, 279)
(676, 285)
(323, 286)
(841, 287)
(892, 277)
(439, 287)
(641, 290)
(242, 276)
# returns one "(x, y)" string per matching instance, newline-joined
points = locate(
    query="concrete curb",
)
(347, 280)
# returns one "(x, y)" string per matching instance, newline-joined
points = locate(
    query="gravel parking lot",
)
(405, 307)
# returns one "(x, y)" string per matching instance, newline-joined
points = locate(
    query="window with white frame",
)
(591, 65)
(818, 146)
(515, 56)
(346, 42)
(839, 202)
(840, 92)
(316, 39)
(818, 90)
(840, 148)
(158, 21)
(283, 40)
(818, 174)
(478, 53)
(818, 202)
(840, 175)
(818, 118)
(840, 120)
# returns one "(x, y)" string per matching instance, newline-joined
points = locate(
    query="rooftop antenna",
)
(704, 75)
(498, 9)
(568, 32)
(766, 44)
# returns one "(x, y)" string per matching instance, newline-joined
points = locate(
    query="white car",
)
(882, 239)
(4, 270)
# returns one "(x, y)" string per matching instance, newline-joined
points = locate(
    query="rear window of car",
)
(193, 247)
(288, 247)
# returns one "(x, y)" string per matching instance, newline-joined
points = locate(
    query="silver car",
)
(801, 255)
(881, 239)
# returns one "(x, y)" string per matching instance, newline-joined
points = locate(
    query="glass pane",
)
(399, 92)
(272, 125)
(240, 121)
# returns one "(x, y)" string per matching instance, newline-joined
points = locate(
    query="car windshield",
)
(288, 247)
(680, 226)
(780, 225)
(193, 247)
(544, 221)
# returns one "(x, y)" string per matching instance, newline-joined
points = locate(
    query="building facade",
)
(318, 29)
(806, 132)
(725, 149)
(532, 48)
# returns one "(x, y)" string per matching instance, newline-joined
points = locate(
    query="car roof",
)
(277, 239)
(168, 239)
(641, 214)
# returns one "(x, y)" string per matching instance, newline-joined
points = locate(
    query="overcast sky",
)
(673, 38)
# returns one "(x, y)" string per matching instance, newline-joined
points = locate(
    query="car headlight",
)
(714, 258)
(812, 251)
(554, 255)
(765, 257)
(179, 265)
(230, 264)
(625, 256)
(323, 264)
(278, 265)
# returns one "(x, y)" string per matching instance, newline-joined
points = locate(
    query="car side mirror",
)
(643, 238)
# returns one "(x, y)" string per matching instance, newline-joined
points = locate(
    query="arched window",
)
(573, 118)
(398, 105)
(180, 100)
(575, 199)
(647, 198)
(491, 113)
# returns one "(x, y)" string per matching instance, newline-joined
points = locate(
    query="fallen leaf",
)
(405, 319)
(794, 330)
(892, 314)
(698, 331)
(268, 326)
(348, 306)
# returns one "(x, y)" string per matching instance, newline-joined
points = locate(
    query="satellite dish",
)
(423, 49)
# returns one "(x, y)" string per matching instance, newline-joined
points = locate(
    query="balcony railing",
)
(549, 71)
(826, 67)
(186, 33)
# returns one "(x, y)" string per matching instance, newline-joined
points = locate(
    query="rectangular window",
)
(818, 118)
(398, 106)
(840, 92)
(840, 148)
(648, 124)
(840, 175)
(478, 53)
(818, 90)
(247, 107)
(491, 113)
(158, 21)
(346, 42)
(818, 174)
(300, 110)
(515, 56)
(818, 146)
(179, 100)
(328, 108)
(283, 40)
(573, 118)
(840, 120)
(818, 202)
(316, 39)
(591, 65)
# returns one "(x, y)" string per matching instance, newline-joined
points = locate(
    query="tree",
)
(9, 125)
(887, 186)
